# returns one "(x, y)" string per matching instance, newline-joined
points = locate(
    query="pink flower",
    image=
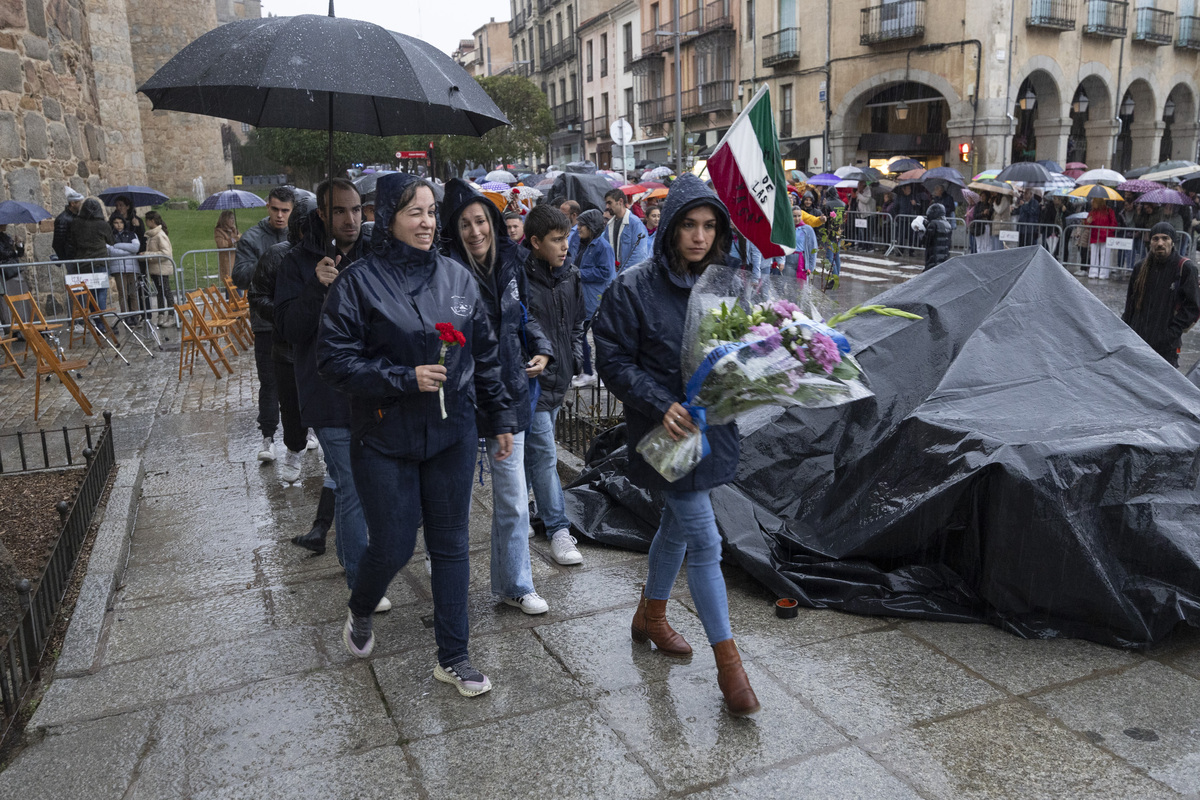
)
(784, 308)
(771, 338)
(824, 351)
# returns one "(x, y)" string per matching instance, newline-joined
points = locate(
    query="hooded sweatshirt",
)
(937, 236)
(90, 232)
(639, 340)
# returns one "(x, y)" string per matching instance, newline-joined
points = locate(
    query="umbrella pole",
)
(332, 248)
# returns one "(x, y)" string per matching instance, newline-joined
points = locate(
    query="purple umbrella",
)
(494, 186)
(1138, 186)
(825, 179)
(231, 198)
(1170, 196)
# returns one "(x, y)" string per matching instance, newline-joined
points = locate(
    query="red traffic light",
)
(964, 151)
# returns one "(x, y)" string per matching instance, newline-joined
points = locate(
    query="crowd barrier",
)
(988, 236)
(200, 268)
(1121, 249)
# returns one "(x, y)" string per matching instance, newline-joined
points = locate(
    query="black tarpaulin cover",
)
(587, 190)
(1026, 460)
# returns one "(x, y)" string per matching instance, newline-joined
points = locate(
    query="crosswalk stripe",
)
(867, 278)
(882, 262)
(874, 270)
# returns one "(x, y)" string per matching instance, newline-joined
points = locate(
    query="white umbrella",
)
(500, 176)
(1167, 174)
(850, 173)
(527, 192)
(1104, 177)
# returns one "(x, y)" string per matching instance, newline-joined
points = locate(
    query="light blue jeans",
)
(512, 575)
(541, 471)
(351, 538)
(689, 527)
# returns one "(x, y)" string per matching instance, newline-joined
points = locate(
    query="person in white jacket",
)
(124, 272)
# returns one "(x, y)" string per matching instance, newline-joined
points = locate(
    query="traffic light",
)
(964, 151)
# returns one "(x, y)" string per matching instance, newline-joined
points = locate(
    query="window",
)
(245, 127)
(541, 43)
(587, 64)
(591, 108)
(553, 97)
(654, 17)
(558, 20)
(571, 19)
(785, 111)
(629, 105)
(603, 54)
(574, 87)
(627, 35)
(749, 20)
(604, 105)
(562, 89)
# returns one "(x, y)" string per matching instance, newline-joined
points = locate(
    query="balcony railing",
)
(785, 123)
(656, 110)
(596, 128)
(1056, 15)
(524, 70)
(544, 6)
(1106, 18)
(715, 16)
(628, 60)
(708, 97)
(516, 24)
(1153, 26)
(1189, 33)
(781, 46)
(559, 53)
(567, 113)
(890, 22)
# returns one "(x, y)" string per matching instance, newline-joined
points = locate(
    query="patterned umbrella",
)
(1138, 186)
(656, 173)
(1161, 195)
(987, 174)
(1059, 181)
(231, 198)
(526, 192)
(494, 186)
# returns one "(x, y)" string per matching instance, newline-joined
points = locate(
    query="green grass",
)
(193, 230)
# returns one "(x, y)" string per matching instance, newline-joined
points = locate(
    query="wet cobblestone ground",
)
(221, 673)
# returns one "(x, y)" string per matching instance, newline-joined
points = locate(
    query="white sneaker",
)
(289, 470)
(562, 545)
(580, 381)
(266, 452)
(531, 603)
(312, 443)
(384, 605)
(428, 566)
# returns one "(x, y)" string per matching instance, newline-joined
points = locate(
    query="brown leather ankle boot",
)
(650, 623)
(739, 697)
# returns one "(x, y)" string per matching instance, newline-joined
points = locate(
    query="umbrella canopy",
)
(795, 175)
(138, 195)
(1026, 172)
(1161, 195)
(497, 199)
(1076, 165)
(825, 179)
(500, 176)
(992, 185)
(1108, 177)
(847, 183)
(1072, 173)
(1167, 174)
(526, 192)
(948, 174)
(494, 186)
(231, 198)
(14, 212)
(913, 174)
(475, 174)
(903, 164)
(657, 172)
(848, 173)
(630, 189)
(657, 193)
(1174, 163)
(970, 197)
(1138, 186)
(1096, 191)
(1059, 181)
(1051, 166)
(987, 174)
(366, 183)
(310, 72)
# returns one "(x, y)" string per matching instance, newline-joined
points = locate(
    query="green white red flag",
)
(747, 174)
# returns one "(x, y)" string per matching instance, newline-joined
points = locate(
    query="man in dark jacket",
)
(90, 233)
(937, 236)
(62, 226)
(556, 302)
(1163, 299)
(270, 230)
(301, 284)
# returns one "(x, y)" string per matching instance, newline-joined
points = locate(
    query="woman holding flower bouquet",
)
(639, 336)
(405, 334)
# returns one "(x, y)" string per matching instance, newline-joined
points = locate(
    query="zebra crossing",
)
(876, 269)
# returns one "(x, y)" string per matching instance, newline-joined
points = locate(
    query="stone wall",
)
(116, 93)
(178, 147)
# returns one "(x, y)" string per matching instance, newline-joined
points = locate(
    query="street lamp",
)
(1080, 106)
(1028, 100)
(1127, 106)
(1169, 110)
(678, 34)
(902, 111)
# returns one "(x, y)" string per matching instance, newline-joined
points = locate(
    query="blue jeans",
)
(351, 539)
(689, 527)
(512, 575)
(396, 493)
(541, 471)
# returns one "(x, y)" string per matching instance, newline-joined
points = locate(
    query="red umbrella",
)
(1074, 169)
(654, 185)
(634, 188)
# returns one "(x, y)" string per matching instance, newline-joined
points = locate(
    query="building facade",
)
(609, 44)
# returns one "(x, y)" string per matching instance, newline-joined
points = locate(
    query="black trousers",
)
(268, 395)
(295, 435)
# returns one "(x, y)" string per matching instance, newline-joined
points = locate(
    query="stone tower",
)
(178, 147)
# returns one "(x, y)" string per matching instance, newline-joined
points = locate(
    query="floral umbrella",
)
(1138, 186)
(1161, 195)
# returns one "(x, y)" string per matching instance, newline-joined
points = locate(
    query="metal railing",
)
(200, 268)
(1058, 15)
(709, 97)
(26, 642)
(1120, 249)
(989, 236)
(595, 128)
(1153, 26)
(566, 113)
(873, 230)
(1106, 18)
(781, 46)
(559, 53)
(888, 22)
(655, 110)
(716, 16)
(516, 24)
(585, 414)
(1189, 33)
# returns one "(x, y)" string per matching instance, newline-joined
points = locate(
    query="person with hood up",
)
(597, 269)
(301, 285)
(937, 236)
(1163, 298)
(639, 338)
(260, 293)
(474, 235)
(405, 334)
(90, 233)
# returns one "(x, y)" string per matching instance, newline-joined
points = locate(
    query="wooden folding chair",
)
(236, 296)
(202, 302)
(224, 308)
(83, 308)
(9, 359)
(197, 336)
(48, 363)
(36, 321)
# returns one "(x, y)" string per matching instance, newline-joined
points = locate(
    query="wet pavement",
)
(220, 672)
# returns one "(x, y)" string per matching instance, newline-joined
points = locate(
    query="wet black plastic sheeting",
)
(1026, 461)
(587, 190)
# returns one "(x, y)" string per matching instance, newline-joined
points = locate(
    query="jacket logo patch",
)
(513, 290)
(460, 306)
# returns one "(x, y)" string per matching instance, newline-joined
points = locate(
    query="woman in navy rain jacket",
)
(474, 235)
(379, 344)
(639, 337)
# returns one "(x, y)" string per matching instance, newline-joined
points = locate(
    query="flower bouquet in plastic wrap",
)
(749, 347)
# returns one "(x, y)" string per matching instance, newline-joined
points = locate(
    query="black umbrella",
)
(366, 184)
(138, 195)
(904, 165)
(1027, 172)
(946, 174)
(323, 73)
(1050, 165)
